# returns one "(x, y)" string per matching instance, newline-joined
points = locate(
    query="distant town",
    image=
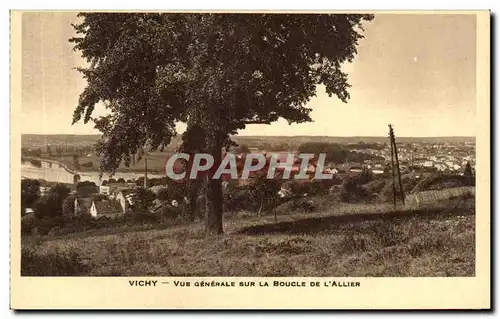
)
(78, 166)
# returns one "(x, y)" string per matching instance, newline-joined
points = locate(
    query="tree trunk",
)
(194, 188)
(261, 206)
(275, 203)
(214, 199)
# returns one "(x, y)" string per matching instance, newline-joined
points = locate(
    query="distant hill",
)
(40, 140)
(36, 140)
(297, 140)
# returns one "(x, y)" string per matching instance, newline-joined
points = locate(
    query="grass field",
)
(344, 240)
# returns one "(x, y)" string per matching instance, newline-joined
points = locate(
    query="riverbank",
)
(54, 171)
(51, 161)
(69, 167)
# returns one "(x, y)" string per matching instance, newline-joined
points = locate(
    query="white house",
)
(106, 208)
(82, 205)
(428, 163)
(104, 190)
(124, 197)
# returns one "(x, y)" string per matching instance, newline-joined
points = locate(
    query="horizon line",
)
(237, 135)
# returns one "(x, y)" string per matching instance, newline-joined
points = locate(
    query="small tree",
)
(120, 180)
(162, 194)
(353, 191)
(59, 191)
(52, 204)
(468, 170)
(177, 190)
(30, 192)
(68, 206)
(142, 199)
(47, 207)
(265, 190)
(76, 178)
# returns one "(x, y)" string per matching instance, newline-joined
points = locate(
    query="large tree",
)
(220, 71)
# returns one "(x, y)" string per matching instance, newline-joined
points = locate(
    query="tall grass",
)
(350, 240)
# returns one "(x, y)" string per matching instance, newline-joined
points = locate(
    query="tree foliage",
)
(68, 206)
(468, 170)
(51, 205)
(30, 192)
(220, 71)
(334, 152)
(142, 199)
(242, 149)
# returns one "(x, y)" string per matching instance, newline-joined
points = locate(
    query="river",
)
(54, 172)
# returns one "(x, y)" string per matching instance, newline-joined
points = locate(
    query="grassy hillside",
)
(344, 240)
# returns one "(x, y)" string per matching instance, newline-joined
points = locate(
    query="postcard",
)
(250, 160)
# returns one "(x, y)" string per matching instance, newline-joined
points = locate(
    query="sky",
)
(417, 72)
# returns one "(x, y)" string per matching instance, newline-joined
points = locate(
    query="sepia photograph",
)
(249, 144)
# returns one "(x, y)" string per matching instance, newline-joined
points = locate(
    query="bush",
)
(68, 206)
(409, 181)
(169, 212)
(142, 218)
(48, 207)
(441, 181)
(376, 185)
(162, 194)
(28, 223)
(352, 191)
(239, 199)
(297, 205)
(303, 205)
(52, 263)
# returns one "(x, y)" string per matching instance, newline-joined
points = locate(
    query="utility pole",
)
(145, 173)
(392, 168)
(393, 147)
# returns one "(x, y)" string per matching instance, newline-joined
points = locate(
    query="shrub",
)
(68, 206)
(376, 185)
(28, 223)
(302, 205)
(170, 212)
(440, 181)
(142, 218)
(52, 263)
(352, 191)
(408, 181)
(239, 199)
